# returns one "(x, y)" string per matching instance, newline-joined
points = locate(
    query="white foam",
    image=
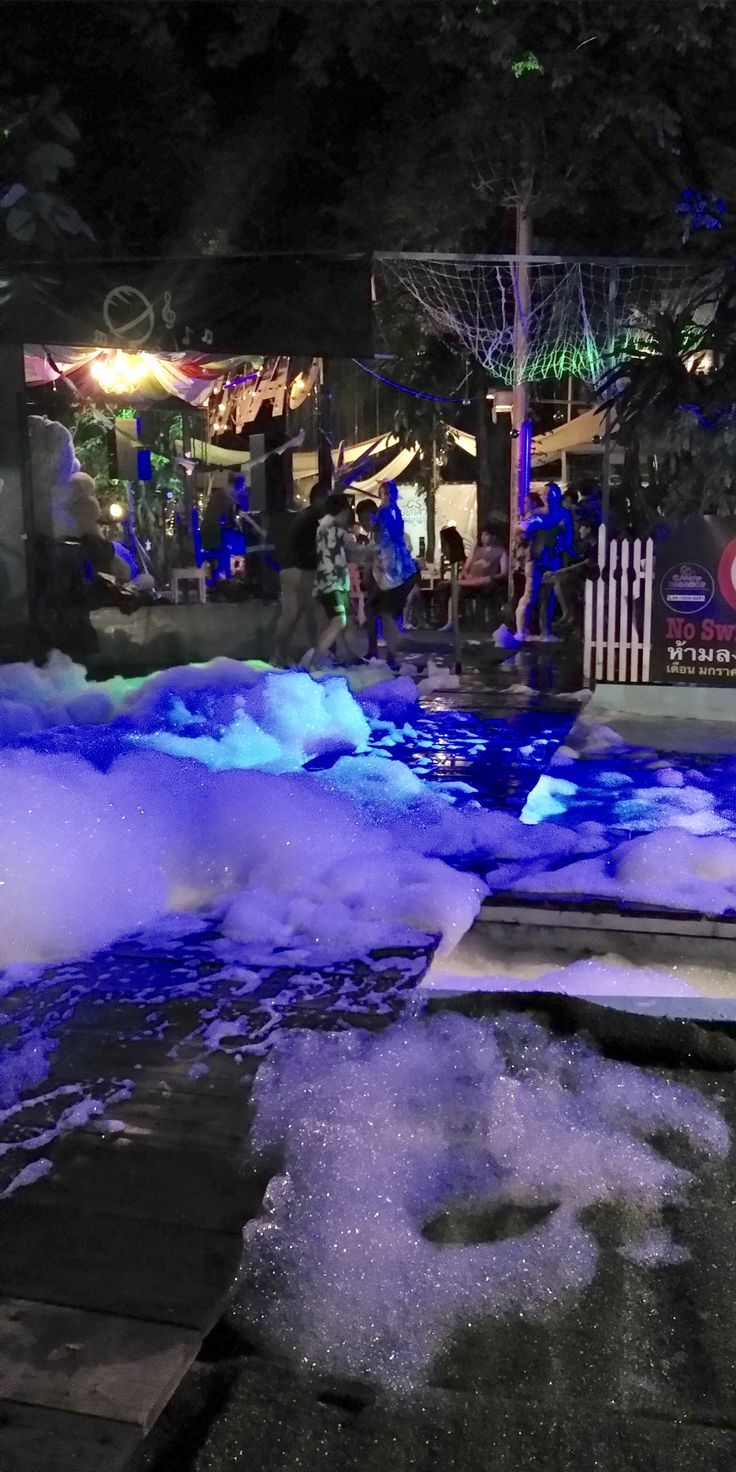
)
(207, 804)
(380, 1135)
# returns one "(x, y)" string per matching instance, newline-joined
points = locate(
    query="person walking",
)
(332, 576)
(297, 575)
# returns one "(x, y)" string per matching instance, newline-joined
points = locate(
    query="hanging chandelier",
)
(120, 373)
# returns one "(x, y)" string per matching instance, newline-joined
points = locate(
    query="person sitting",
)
(488, 563)
(569, 582)
(485, 571)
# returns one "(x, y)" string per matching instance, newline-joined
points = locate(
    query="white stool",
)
(181, 576)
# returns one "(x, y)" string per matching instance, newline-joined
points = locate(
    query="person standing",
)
(297, 575)
(550, 540)
(217, 520)
(394, 573)
(364, 553)
(530, 539)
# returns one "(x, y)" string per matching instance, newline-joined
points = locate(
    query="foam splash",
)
(442, 1121)
(198, 797)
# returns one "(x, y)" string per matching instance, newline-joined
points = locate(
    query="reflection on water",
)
(501, 756)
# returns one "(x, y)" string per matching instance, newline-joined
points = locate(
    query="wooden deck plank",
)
(162, 1272)
(34, 1439)
(89, 1363)
(179, 1114)
(157, 1180)
(90, 1053)
(139, 1223)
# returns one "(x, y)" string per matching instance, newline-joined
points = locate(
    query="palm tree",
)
(674, 398)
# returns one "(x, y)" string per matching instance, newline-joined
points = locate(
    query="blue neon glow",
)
(525, 464)
(415, 393)
(717, 419)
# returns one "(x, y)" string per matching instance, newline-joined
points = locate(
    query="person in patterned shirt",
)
(332, 577)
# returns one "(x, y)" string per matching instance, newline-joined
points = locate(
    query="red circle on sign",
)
(727, 574)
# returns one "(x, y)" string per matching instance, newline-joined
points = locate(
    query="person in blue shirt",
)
(550, 539)
(394, 574)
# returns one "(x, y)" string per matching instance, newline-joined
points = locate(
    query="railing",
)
(618, 612)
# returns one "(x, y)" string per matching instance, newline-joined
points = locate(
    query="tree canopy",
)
(381, 123)
(420, 124)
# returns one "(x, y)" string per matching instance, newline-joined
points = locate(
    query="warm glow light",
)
(120, 373)
(116, 511)
(700, 362)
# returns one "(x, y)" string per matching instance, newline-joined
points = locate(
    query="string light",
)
(116, 511)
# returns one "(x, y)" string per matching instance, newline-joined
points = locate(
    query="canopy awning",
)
(190, 377)
(304, 462)
(462, 439)
(581, 436)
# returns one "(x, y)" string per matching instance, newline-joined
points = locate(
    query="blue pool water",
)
(502, 756)
(636, 790)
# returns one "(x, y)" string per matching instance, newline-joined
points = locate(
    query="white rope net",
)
(543, 316)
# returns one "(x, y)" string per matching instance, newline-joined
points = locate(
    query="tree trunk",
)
(644, 513)
(430, 478)
(17, 530)
(324, 430)
(521, 315)
(429, 491)
(483, 450)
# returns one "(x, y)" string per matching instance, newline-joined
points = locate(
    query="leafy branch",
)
(34, 152)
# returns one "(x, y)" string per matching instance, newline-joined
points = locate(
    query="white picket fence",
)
(618, 612)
